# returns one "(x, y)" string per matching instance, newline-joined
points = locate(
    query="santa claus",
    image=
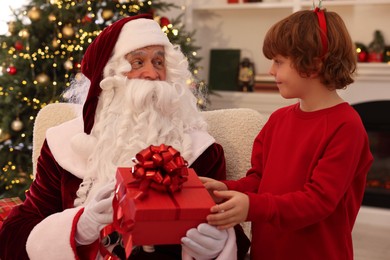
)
(137, 95)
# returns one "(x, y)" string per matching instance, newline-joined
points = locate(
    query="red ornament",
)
(86, 19)
(19, 45)
(77, 65)
(12, 70)
(164, 21)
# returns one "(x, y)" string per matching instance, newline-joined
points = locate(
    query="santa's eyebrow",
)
(143, 53)
(136, 53)
(160, 53)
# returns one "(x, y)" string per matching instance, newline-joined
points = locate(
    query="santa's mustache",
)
(139, 95)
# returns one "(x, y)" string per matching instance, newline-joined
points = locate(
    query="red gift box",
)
(6, 205)
(161, 218)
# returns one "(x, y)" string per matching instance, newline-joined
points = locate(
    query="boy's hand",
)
(231, 212)
(211, 185)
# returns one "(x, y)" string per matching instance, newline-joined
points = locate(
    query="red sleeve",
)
(44, 198)
(337, 179)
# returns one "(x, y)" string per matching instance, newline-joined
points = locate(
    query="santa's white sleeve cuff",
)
(229, 252)
(51, 238)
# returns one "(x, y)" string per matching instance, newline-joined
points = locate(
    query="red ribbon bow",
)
(161, 168)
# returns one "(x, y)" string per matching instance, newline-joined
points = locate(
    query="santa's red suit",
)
(44, 226)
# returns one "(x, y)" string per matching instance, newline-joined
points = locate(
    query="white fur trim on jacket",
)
(58, 139)
(50, 239)
(229, 252)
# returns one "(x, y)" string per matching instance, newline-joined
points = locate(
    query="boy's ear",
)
(317, 66)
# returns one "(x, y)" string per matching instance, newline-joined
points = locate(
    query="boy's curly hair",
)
(298, 37)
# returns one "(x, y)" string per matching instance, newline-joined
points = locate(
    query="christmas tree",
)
(39, 57)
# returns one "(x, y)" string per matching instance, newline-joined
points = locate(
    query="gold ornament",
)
(52, 18)
(68, 31)
(24, 33)
(4, 136)
(34, 14)
(12, 27)
(17, 125)
(42, 78)
(68, 65)
(107, 14)
(55, 43)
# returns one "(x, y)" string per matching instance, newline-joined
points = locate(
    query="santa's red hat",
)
(116, 40)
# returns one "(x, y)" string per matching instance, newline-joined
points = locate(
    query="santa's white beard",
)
(131, 115)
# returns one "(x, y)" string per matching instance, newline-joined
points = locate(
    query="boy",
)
(310, 161)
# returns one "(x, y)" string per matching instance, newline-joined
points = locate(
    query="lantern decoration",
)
(246, 75)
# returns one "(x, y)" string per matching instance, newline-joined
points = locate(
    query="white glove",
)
(97, 214)
(204, 242)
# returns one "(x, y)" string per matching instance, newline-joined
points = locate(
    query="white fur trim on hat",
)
(137, 34)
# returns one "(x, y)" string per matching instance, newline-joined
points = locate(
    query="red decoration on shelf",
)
(12, 70)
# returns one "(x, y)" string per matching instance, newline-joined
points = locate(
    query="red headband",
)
(324, 31)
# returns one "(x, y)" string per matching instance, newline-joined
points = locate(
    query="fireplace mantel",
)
(264, 102)
(372, 82)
